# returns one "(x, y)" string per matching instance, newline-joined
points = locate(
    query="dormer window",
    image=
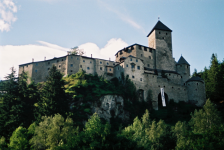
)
(145, 48)
(140, 47)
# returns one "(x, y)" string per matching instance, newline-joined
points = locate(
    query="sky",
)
(49, 28)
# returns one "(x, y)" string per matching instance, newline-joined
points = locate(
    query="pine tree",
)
(212, 83)
(53, 98)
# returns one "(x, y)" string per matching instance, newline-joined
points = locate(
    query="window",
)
(36, 71)
(71, 71)
(197, 83)
(57, 60)
(71, 65)
(141, 55)
(90, 61)
(140, 79)
(180, 65)
(110, 69)
(166, 33)
(139, 47)
(148, 65)
(145, 48)
(77, 58)
(126, 65)
(80, 66)
(149, 57)
(83, 60)
(100, 68)
(150, 50)
(36, 64)
(159, 32)
(71, 57)
(132, 47)
(62, 60)
(100, 62)
(87, 68)
(132, 66)
(48, 63)
(48, 69)
(181, 77)
(130, 59)
(113, 63)
(121, 52)
(136, 60)
(133, 77)
(107, 63)
(59, 66)
(138, 67)
(164, 38)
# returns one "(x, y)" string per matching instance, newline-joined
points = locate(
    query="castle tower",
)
(183, 68)
(160, 39)
(196, 91)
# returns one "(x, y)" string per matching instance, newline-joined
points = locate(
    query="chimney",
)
(32, 59)
(91, 55)
(44, 58)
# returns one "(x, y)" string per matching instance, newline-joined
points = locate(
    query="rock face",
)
(110, 106)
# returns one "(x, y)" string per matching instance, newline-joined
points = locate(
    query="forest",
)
(56, 115)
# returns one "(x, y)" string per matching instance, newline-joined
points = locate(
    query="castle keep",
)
(150, 68)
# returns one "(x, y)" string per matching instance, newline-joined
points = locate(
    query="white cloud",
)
(7, 10)
(122, 16)
(108, 51)
(20, 54)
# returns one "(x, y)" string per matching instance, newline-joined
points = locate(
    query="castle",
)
(150, 68)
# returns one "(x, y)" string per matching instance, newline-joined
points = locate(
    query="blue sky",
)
(48, 28)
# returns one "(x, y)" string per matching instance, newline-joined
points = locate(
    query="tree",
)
(76, 51)
(54, 132)
(53, 98)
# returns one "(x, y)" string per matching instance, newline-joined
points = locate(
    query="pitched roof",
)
(195, 78)
(182, 61)
(160, 26)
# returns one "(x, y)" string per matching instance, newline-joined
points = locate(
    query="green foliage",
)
(205, 130)
(19, 139)
(52, 132)
(17, 108)
(53, 99)
(3, 144)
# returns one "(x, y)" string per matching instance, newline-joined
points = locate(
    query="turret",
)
(160, 39)
(196, 91)
(183, 68)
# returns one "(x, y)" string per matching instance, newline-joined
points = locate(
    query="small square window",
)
(140, 79)
(100, 68)
(159, 32)
(107, 63)
(80, 66)
(166, 33)
(71, 71)
(77, 58)
(71, 65)
(113, 63)
(90, 61)
(83, 60)
(126, 65)
(110, 69)
(131, 59)
(133, 77)
(87, 68)
(148, 65)
(136, 60)
(139, 47)
(100, 62)
(59, 66)
(138, 67)
(145, 48)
